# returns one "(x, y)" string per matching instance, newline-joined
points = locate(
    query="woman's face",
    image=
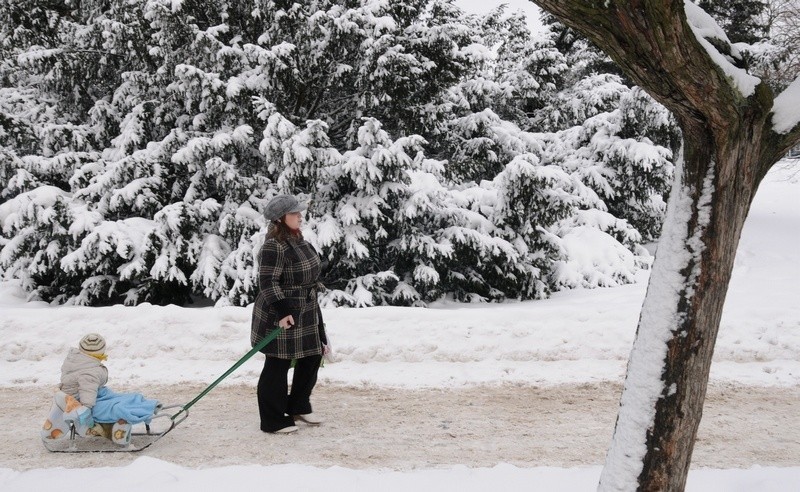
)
(293, 220)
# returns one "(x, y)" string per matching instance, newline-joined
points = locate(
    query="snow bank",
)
(152, 474)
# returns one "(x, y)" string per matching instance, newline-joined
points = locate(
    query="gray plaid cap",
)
(281, 205)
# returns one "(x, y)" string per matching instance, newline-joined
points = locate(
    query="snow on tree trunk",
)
(668, 370)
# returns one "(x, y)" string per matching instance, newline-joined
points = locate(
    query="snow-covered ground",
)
(574, 337)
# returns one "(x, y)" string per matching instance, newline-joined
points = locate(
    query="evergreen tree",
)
(140, 142)
(526, 71)
(740, 19)
(363, 205)
(586, 98)
(615, 139)
(611, 154)
(38, 231)
(582, 56)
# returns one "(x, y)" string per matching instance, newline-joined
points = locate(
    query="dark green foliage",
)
(740, 19)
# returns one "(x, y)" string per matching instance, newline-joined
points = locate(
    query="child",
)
(84, 400)
(83, 372)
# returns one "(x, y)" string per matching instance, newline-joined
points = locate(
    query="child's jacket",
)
(81, 376)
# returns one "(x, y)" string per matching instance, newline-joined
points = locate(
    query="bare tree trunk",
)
(729, 144)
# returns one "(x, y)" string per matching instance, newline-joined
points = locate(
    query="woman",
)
(288, 274)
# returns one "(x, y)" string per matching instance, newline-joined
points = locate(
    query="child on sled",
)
(84, 401)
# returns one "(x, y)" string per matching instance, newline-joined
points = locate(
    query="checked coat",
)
(287, 277)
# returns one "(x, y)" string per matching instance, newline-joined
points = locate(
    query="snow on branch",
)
(786, 109)
(711, 37)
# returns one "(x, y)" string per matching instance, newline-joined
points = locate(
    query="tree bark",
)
(728, 147)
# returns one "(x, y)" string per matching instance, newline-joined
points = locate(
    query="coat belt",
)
(307, 292)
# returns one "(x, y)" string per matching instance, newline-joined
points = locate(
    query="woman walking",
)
(288, 273)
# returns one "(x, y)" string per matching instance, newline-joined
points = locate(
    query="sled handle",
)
(257, 348)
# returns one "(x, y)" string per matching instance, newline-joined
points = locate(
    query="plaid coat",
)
(287, 278)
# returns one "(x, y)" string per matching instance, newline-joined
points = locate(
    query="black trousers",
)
(276, 405)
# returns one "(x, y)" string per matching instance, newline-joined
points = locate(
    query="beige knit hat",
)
(93, 344)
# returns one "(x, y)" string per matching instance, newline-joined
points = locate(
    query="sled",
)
(142, 435)
(145, 435)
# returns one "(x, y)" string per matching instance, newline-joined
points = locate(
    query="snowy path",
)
(563, 426)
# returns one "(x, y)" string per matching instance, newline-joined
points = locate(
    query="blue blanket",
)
(133, 407)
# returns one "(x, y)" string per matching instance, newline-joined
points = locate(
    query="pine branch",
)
(93, 52)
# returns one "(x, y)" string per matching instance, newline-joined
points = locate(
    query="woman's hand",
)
(286, 322)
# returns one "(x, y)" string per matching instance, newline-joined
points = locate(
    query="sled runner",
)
(142, 436)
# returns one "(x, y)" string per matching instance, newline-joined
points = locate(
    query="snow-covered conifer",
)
(37, 227)
(163, 127)
(362, 208)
